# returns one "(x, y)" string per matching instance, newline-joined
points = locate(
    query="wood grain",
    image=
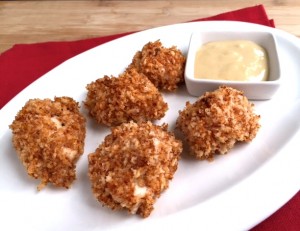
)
(39, 21)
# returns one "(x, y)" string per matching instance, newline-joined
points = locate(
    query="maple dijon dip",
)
(236, 60)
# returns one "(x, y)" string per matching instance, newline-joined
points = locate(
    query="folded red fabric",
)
(24, 63)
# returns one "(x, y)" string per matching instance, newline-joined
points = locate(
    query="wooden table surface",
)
(39, 21)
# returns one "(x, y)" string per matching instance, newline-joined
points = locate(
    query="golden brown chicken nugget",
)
(163, 66)
(133, 166)
(49, 139)
(131, 96)
(216, 121)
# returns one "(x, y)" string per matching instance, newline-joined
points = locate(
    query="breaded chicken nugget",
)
(131, 96)
(163, 66)
(216, 121)
(133, 166)
(49, 138)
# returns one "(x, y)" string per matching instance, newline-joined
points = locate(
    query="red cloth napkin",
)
(24, 63)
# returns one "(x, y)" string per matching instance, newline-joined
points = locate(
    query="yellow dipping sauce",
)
(237, 60)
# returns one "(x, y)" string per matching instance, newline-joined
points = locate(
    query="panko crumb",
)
(163, 66)
(133, 166)
(113, 101)
(49, 139)
(216, 121)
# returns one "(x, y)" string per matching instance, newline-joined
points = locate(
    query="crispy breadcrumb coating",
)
(216, 121)
(163, 66)
(133, 166)
(49, 139)
(131, 96)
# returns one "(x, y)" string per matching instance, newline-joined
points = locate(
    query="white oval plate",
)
(235, 192)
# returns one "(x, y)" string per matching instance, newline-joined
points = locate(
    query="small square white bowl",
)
(260, 90)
